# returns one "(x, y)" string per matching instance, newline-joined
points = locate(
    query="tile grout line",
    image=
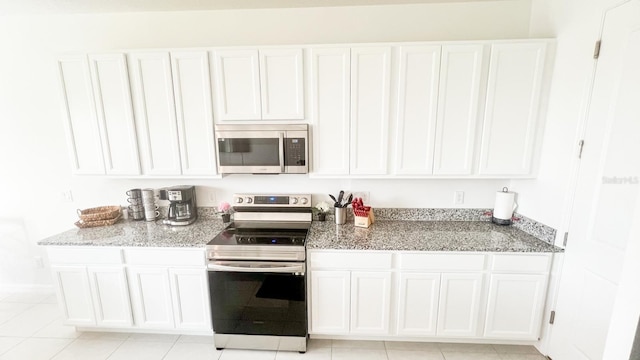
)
(172, 346)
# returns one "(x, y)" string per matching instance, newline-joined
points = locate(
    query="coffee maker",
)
(182, 204)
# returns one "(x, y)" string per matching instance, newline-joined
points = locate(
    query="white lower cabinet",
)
(331, 302)
(110, 296)
(74, 294)
(370, 302)
(459, 309)
(418, 304)
(151, 297)
(190, 294)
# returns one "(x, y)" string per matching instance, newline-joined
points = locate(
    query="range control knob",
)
(239, 200)
(304, 201)
(248, 200)
(294, 200)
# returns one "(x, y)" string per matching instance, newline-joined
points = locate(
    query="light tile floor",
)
(31, 329)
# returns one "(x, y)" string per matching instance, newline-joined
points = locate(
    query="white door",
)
(459, 308)
(511, 110)
(418, 304)
(115, 114)
(418, 78)
(370, 302)
(281, 84)
(606, 194)
(194, 112)
(190, 299)
(155, 113)
(370, 73)
(79, 111)
(461, 69)
(110, 296)
(330, 107)
(74, 294)
(330, 302)
(237, 78)
(515, 306)
(151, 297)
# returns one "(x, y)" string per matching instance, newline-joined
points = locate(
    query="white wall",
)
(34, 164)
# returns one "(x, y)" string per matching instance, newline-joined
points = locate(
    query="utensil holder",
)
(341, 215)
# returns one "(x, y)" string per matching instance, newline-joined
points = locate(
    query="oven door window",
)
(249, 151)
(258, 303)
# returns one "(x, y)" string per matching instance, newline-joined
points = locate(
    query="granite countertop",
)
(480, 236)
(141, 233)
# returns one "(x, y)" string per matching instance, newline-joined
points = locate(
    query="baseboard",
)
(27, 289)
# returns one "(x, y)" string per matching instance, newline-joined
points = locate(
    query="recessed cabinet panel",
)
(111, 296)
(115, 114)
(330, 103)
(459, 308)
(237, 77)
(281, 84)
(80, 117)
(155, 113)
(194, 112)
(190, 299)
(151, 296)
(330, 302)
(459, 90)
(418, 78)
(511, 112)
(74, 294)
(418, 304)
(370, 302)
(370, 74)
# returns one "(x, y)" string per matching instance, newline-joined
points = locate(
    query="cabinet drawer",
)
(60, 255)
(442, 262)
(521, 263)
(350, 260)
(165, 256)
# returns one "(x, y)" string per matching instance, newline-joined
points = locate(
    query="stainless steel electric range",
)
(257, 274)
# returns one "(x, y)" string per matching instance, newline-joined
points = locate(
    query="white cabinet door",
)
(192, 90)
(370, 73)
(511, 111)
(418, 304)
(190, 298)
(515, 306)
(459, 308)
(237, 78)
(282, 84)
(418, 78)
(330, 302)
(74, 294)
(110, 296)
(80, 115)
(115, 114)
(330, 79)
(151, 297)
(155, 110)
(370, 302)
(459, 90)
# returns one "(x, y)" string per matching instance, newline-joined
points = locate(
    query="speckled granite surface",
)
(532, 227)
(141, 233)
(424, 236)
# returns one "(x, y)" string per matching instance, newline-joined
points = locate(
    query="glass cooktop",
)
(263, 233)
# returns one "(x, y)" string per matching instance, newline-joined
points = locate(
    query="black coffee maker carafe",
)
(182, 204)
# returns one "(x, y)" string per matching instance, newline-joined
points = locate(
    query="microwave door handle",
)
(281, 154)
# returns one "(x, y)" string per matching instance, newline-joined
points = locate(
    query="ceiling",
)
(108, 6)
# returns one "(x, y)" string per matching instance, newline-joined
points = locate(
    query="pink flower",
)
(224, 207)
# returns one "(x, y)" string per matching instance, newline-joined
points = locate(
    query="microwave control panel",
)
(294, 152)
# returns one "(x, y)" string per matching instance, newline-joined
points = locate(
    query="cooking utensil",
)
(340, 196)
(349, 199)
(335, 202)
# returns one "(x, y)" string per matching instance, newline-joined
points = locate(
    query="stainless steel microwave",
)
(262, 149)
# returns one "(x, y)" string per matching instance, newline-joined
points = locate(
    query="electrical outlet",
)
(212, 197)
(39, 262)
(458, 197)
(66, 196)
(361, 194)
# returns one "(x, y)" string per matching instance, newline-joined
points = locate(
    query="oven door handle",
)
(288, 268)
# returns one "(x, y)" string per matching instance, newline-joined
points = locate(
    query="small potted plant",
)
(225, 210)
(321, 209)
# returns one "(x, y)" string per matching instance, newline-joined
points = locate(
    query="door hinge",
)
(580, 147)
(566, 238)
(596, 50)
(552, 318)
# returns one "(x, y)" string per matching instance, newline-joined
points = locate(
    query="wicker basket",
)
(99, 213)
(89, 224)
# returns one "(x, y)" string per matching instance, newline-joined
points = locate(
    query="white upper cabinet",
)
(330, 108)
(80, 115)
(259, 84)
(418, 78)
(237, 78)
(115, 114)
(511, 111)
(194, 112)
(155, 113)
(459, 91)
(281, 84)
(370, 75)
